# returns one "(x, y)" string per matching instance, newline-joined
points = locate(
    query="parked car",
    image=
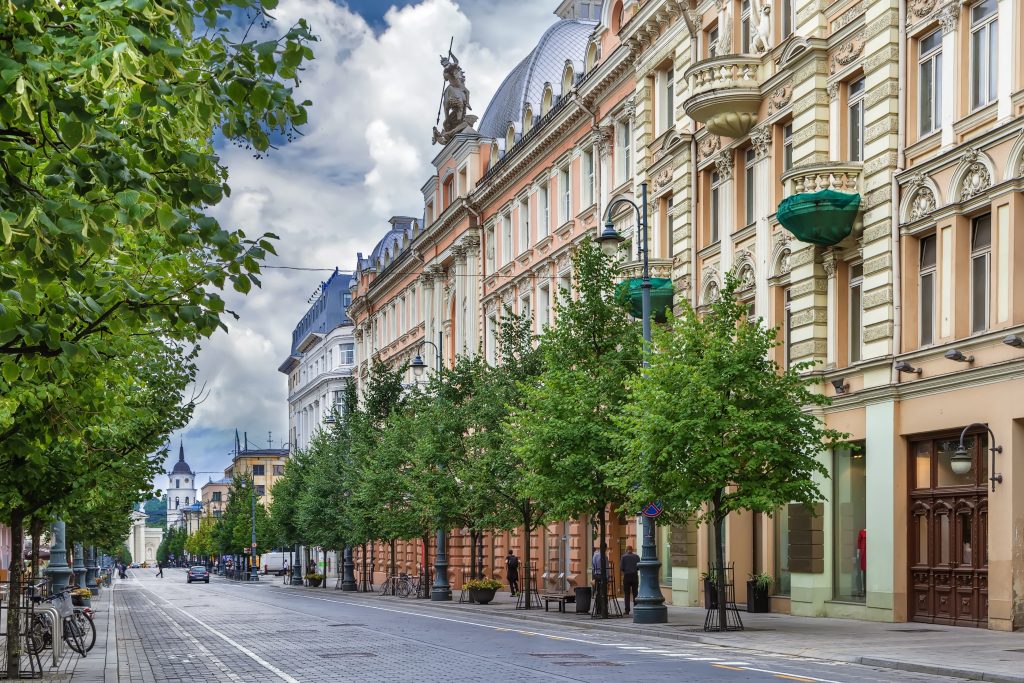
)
(135, 565)
(198, 573)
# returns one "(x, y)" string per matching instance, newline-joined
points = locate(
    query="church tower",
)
(181, 489)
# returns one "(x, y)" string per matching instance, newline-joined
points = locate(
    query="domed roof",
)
(181, 467)
(566, 39)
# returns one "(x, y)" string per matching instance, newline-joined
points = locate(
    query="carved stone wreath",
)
(780, 97)
(847, 53)
(921, 8)
(977, 179)
(708, 146)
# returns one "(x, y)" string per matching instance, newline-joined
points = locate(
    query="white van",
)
(274, 562)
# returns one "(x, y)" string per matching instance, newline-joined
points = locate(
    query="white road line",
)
(792, 675)
(241, 648)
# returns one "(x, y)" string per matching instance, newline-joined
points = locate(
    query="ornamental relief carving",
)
(847, 53)
(921, 8)
(723, 162)
(923, 203)
(663, 179)
(976, 181)
(761, 139)
(948, 16)
(780, 97)
(708, 146)
(833, 91)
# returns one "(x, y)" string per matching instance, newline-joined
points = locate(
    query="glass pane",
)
(927, 308)
(938, 90)
(782, 574)
(985, 8)
(928, 252)
(856, 131)
(923, 466)
(855, 324)
(966, 557)
(922, 540)
(850, 509)
(926, 102)
(943, 540)
(977, 52)
(993, 58)
(944, 470)
(981, 232)
(979, 293)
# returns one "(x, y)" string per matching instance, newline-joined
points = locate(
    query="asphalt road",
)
(169, 630)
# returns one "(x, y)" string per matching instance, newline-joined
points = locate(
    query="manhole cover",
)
(915, 630)
(338, 655)
(589, 662)
(560, 655)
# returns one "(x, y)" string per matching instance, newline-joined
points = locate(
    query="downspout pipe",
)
(901, 163)
(693, 177)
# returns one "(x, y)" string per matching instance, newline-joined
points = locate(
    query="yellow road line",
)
(730, 668)
(794, 678)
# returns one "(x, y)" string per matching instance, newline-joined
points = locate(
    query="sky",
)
(375, 85)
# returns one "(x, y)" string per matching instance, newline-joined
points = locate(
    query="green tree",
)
(715, 426)
(564, 431)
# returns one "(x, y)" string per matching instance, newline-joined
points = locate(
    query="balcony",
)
(839, 176)
(725, 93)
(822, 202)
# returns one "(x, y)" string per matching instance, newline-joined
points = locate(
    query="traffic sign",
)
(248, 551)
(653, 509)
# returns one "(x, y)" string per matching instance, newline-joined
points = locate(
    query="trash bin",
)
(583, 594)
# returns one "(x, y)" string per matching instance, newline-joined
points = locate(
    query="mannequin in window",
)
(860, 563)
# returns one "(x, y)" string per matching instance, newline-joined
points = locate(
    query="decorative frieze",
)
(847, 53)
(708, 146)
(847, 17)
(878, 332)
(780, 97)
(879, 230)
(877, 264)
(886, 57)
(881, 296)
(977, 179)
(890, 19)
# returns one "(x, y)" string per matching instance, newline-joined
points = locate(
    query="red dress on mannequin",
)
(862, 546)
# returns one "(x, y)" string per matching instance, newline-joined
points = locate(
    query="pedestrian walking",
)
(160, 568)
(599, 570)
(630, 562)
(512, 571)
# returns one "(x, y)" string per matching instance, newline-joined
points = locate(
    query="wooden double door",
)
(948, 537)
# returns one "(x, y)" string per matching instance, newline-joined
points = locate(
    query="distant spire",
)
(181, 451)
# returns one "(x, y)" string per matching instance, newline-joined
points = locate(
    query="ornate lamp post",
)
(441, 590)
(59, 570)
(650, 604)
(91, 569)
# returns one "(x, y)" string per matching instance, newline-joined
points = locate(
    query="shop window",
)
(981, 252)
(929, 66)
(849, 511)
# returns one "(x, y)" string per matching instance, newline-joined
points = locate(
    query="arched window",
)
(592, 56)
(546, 100)
(177, 503)
(567, 78)
(618, 16)
(510, 137)
(527, 119)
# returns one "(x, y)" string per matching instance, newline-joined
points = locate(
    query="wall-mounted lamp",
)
(961, 460)
(840, 385)
(904, 366)
(1014, 340)
(958, 356)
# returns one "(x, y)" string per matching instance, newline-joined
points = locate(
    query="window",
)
(788, 17)
(930, 82)
(926, 290)
(338, 400)
(215, 497)
(565, 194)
(787, 147)
(856, 317)
(543, 306)
(564, 287)
(666, 116)
(670, 225)
(489, 248)
(449, 191)
(984, 57)
(981, 251)
(261, 490)
(624, 151)
(855, 104)
(716, 206)
(278, 470)
(543, 211)
(849, 493)
(258, 470)
(588, 178)
(347, 353)
(524, 305)
(506, 239)
(217, 513)
(186, 500)
(745, 27)
(492, 339)
(712, 42)
(177, 483)
(748, 185)
(783, 577)
(524, 225)
(787, 326)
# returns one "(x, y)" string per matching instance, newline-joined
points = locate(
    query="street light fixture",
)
(650, 604)
(961, 461)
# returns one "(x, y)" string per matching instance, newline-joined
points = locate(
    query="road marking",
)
(730, 668)
(796, 678)
(238, 646)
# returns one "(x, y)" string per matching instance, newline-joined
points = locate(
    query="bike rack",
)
(57, 635)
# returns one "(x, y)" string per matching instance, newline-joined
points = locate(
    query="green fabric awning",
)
(824, 218)
(661, 296)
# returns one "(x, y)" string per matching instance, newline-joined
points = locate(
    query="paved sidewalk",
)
(100, 665)
(974, 654)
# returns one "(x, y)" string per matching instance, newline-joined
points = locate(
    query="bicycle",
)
(402, 585)
(77, 628)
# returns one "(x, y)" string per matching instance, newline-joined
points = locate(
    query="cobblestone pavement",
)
(167, 630)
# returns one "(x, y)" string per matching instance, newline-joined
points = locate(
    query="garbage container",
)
(583, 594)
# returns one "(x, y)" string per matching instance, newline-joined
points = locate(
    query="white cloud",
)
(364, 156)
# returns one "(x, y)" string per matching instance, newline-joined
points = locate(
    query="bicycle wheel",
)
(73, 636)
(404, 588)
(87, 627)
(37, 635)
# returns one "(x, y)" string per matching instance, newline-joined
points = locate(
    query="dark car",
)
(198, 573)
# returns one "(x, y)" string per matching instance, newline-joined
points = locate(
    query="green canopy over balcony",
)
(661, 296)
(824, 218)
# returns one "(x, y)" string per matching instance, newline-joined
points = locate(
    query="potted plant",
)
(81, 597)
(710, 579)
(482, 590)
(313, 579)
(758, 587)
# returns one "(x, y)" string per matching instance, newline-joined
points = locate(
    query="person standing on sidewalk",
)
(512, 571)
(630, 577)
(160, 569)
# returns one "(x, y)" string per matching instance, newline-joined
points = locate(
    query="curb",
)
(609, 625)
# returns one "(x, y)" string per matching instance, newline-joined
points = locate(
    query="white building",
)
(143, 540)
(322, 359)
(181, 489)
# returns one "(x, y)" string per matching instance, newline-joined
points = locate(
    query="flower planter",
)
(314, 583)
(757, 599)
(77, 601)
(481, 595)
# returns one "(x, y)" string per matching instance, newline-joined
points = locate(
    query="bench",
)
(560, 598)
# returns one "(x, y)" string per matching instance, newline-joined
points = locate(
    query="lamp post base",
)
(650, 614)
(441, 595)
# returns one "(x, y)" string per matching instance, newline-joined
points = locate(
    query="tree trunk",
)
(36, 529)
(603, 588)
(394, 569)
(16, 571)
(364, 583)
(527, 518)
(719, 524)
(472, 555)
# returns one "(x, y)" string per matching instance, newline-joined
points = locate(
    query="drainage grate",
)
(589, 662)
(338, 655)
(560, 655)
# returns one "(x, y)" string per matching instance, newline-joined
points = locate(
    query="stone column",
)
(764, 205)
(90, 570)
(474, 317)
(58, 570)
(459, 319)
(726, 208)
(828, 263)
(949, 19)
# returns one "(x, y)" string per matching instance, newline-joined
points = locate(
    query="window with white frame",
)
(670, 222)
(489, 248)
(788, 17)
(745, 27)
(712, 42)
(855, 109)
(564, 287)
(929, 69)
(506, 239)
(623, 151)
(564, 195)
(748, 185)
(855, 311)
(587, 168)
(666, 114)
(492, 339)
(347, 353)
(543, 210)
(524, 306)
(524, 225)
(981, 253)
(926, 289)
(984, 52)
(716, 207)
(787, 146)
(543, 306)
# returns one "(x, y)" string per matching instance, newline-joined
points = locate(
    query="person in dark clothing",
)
(630, 576)
(512, 571)
(160, 568)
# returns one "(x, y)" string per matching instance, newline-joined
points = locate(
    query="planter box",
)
(81, 602)
(758, 600)
(314, 583)
(481, 595)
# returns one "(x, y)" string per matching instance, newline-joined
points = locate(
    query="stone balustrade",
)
(724, 93)
(840, 176)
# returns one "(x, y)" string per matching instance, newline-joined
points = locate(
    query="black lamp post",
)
(650, 604)
(441, 590)
(961, 460)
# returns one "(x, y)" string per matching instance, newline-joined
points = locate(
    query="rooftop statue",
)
(454, 102)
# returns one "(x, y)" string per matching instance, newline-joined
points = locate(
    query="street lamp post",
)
(441, 590)
(253, 576)
(650, 604)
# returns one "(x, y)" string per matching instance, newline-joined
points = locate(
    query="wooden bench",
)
(560, 598)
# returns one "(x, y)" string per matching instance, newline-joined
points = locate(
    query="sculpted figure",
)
(724, 44)
(760, 40)
(454, 102)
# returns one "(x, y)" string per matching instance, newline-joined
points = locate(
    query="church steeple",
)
(181, 451)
